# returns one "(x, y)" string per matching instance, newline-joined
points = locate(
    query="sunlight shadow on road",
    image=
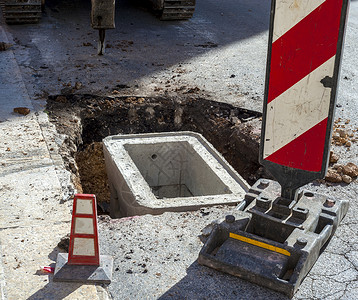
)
(200, 283)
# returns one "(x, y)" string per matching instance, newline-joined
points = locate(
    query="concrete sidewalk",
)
(34, 211)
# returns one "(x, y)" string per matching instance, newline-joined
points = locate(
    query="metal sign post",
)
(305, 49)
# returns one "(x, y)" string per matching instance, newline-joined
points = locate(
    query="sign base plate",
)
(273, 241)
(83, 273)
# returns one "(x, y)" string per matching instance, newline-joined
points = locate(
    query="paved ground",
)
(155, 257)
(33, 212)
(224, 38)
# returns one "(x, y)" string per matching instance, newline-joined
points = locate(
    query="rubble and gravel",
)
(343, 136)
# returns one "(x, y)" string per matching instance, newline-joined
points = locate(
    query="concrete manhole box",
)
(176, 171)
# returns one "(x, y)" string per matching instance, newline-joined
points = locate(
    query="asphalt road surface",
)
(221, 51)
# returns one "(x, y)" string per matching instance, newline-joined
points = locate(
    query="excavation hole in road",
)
(84, 120)
(188, 174)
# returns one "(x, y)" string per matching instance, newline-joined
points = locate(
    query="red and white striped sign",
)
(303, 67)
(84, 249)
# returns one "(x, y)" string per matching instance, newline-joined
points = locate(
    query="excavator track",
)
(21, 11)
(178, 9)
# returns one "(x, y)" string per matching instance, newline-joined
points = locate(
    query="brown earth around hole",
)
(92, 171)
(87, 119)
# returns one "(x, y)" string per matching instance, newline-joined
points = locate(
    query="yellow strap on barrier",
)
(259, 244)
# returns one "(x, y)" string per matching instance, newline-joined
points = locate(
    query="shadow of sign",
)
(202, 283)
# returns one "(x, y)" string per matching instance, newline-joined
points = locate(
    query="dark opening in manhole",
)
(86, 119)
(190, 170)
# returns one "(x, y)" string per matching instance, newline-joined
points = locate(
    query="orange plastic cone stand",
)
(83, 262)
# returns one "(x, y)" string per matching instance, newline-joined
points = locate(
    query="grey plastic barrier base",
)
(272, 241)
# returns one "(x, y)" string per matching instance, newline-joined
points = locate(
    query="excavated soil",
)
(82, 121)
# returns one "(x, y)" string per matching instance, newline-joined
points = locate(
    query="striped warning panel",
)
(303, 64)
(84, 248)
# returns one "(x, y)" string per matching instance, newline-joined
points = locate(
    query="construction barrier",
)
(84, 249)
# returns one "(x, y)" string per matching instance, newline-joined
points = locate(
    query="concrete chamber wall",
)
(154, 173)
